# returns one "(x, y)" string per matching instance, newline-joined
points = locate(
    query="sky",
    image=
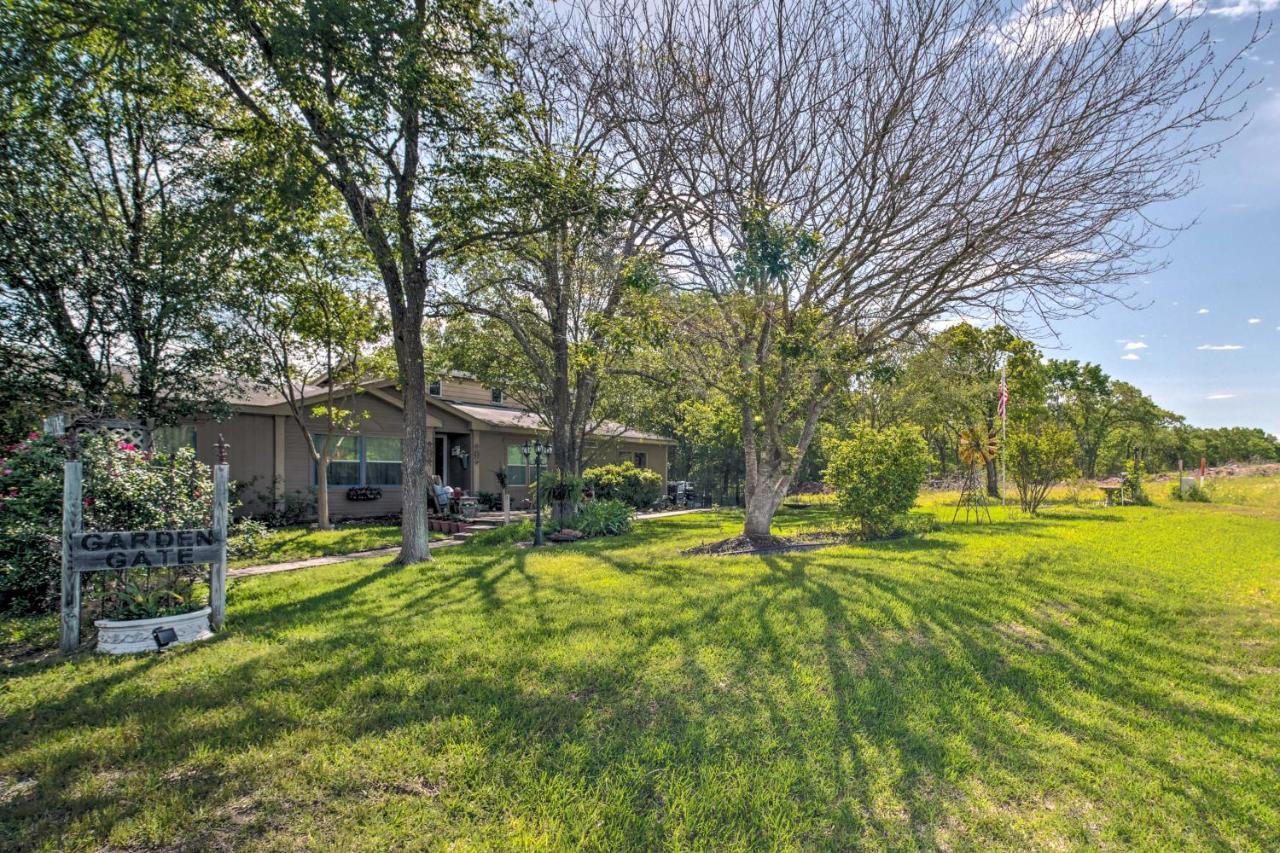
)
(1205, 341)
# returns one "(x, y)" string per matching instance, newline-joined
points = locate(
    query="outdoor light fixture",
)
(536, 452)
(164, 636)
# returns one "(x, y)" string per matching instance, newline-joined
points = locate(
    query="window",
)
(171, 439)
(640, 459)
(344, 459)
(363, 460)
(381, 461)
(434, 388)
(517, 472)
(495, 394)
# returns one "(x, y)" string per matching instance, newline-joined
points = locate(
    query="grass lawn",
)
(1094, 677)
(299, 543)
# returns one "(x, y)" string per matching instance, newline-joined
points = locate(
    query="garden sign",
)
(95, 551)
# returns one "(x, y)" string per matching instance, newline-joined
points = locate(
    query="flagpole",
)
(1004, 435)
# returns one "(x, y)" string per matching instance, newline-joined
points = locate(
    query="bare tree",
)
(839, 173)
(567, 293)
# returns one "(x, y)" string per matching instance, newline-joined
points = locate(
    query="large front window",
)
(517, 471)
(520, 473)
(382, 461)
(356, 460)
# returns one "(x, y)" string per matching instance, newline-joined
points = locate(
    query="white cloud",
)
(1253, 321)
(1133, 356)
(1219, 396)
(1132, 345)
(1203, 311)
(1241, 8)
(1220, 347)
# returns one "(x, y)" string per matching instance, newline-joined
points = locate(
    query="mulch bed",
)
(747, 545)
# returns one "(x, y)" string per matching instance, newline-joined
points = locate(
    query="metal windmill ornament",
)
(977, 448)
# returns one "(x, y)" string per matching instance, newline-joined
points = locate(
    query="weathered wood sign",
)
(93, 552)
(96, 551)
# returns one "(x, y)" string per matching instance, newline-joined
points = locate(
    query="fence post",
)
(218, 576)
(72, 509)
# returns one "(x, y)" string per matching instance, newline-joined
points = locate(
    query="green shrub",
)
(638, 487)
(124, 487)
(602, 518)
(31, 525)
(1038, 461)
(876, 475)
(244, 539)
(560, 491)
(1135, 473)
(1193, 493)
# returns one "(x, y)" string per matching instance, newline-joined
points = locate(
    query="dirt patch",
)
(746, 545)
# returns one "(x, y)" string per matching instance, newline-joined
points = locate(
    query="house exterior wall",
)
(250, 454)
(492, 454)
(267, 444)
(384, 420)
(465, 391)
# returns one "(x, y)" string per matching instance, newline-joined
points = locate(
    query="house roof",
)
(497, 417)
(502, 417)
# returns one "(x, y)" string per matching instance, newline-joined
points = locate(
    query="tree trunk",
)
(993, 479)
(417, 451)
(322, 494)
(763, 500)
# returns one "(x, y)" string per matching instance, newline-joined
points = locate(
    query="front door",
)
(441, 467)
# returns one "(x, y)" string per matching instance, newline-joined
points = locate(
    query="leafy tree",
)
(876, 474)
(111, 247)
(1093, 406)
(384, 102)
(1039, 459)
(565, 308)
(954, 382)
(312, 319)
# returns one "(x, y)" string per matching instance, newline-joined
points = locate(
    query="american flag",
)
(1002, 408)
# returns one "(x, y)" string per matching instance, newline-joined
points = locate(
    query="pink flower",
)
(124, 445)
(33, 435)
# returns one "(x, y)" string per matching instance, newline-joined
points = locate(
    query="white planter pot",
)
(124, 636)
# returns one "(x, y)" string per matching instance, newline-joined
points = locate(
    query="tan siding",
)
(465, 390)
(251, 439)
(448, 420)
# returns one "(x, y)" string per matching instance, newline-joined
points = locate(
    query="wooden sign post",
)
(96, 551)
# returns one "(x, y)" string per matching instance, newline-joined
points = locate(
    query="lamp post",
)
(536, 451)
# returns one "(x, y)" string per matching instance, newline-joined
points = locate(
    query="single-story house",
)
(477, 432)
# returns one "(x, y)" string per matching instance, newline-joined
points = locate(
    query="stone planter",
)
(125, 636)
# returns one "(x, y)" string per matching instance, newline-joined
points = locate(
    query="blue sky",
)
(1207, 344)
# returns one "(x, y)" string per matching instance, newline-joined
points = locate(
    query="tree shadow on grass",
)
(829, 699)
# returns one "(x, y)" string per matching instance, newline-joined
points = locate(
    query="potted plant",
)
(129, 488)
(159, 609)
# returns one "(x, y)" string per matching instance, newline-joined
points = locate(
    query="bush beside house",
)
(637, 487)
(876, 475)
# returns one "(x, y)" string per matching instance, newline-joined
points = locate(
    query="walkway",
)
(272, 568)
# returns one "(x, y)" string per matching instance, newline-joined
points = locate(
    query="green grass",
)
(1093, 677)
(299, 543)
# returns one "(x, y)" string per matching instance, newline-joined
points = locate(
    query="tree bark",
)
(322, 495)
(417, 450)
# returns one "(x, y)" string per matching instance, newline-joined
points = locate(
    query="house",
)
(476, 431)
